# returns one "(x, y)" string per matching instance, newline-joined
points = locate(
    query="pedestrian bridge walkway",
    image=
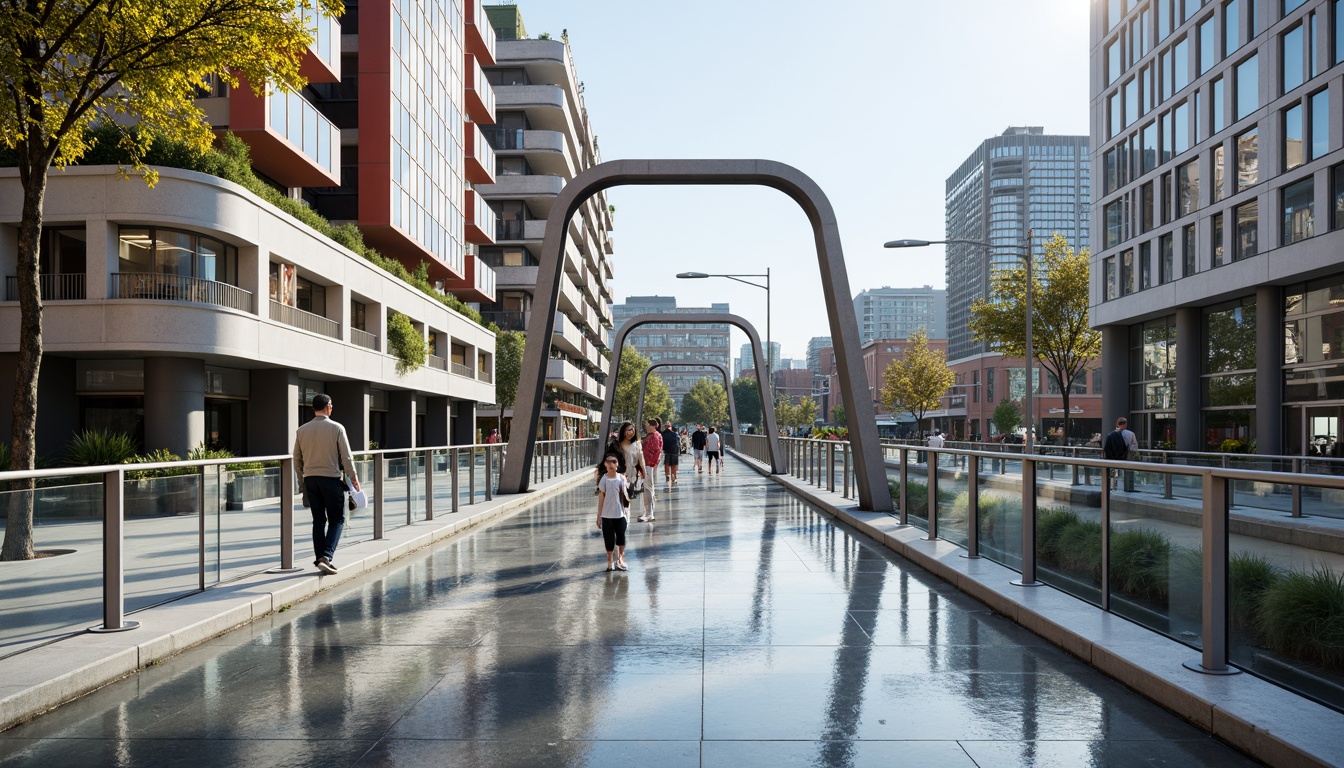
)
(751, 629)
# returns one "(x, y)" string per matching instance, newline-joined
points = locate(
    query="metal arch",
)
(727, 385)
(871, 480)
(700, 318)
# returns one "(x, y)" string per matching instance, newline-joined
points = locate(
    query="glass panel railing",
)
(952, 504)
(246, 528)
(160, 550)
(1068, 535)
(1155, 557)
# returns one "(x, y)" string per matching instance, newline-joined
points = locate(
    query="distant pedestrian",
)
(1121, 445)
(628, 445)
(936, 440)
(652, 445)
(321, 450)
(712, 444)
(671, 453)
(494, 436)
(698, 446)
(613, 505)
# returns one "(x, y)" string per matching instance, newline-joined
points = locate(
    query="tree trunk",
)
(33, 164)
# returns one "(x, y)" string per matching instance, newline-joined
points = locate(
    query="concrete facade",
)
(1217, 206)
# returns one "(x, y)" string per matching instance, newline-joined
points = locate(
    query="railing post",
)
(972, 507)
(489, 472)
(200, 522)
(830, 467)
(1231, 496)
(378, 495)
(1105, 544)
(114, 584)
(286, 518)
(429, 484)
(1217, 502)
(1166, 478)
(471, 475)
(844, 474)
(903, 495)
(1074, 455)
(410, 486)
(455, 463)
(1297, 489)
(933, 495)
(1028, 523)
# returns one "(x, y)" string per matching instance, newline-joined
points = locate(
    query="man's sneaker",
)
(643, 518)
(324, 565)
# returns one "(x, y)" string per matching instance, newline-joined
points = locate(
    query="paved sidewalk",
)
(750, 630)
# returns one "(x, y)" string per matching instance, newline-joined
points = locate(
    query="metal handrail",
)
(364, 339)
(55, 287)
(160, 286)
(307, 321)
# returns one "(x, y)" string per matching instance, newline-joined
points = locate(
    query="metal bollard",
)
(114, 577)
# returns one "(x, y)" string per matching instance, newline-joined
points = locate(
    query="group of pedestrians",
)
(627, 473)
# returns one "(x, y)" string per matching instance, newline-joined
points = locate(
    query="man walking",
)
(1121, 445)
(653, 449)
(321, 450)
(698, 447)
(671, 453)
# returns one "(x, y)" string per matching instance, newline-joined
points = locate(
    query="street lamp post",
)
(1030, 352)
(769, 362)
(1028, 466)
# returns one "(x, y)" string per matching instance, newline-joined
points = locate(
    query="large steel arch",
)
(869, 470)
(727, 385)
(699, 318)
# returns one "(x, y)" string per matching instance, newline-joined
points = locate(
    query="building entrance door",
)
(226, 425)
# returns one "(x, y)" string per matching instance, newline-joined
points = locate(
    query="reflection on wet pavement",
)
(748, 631)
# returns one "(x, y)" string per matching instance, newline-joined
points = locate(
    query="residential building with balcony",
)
(197, 313)
(541, 139)
(690, 344)
(1211, 246)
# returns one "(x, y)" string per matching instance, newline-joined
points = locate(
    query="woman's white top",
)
(611, 504)
(634, 459)
(712, 442)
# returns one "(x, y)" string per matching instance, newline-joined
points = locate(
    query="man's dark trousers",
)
(326, 500)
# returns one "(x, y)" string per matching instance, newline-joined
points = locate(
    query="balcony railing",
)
(486, 376)
(510, 230)
(507, 321)
(66, 287)
(165, 287)
(503, 138)
(463, 370)
(305, 320)
(364, 339)
(436, 362)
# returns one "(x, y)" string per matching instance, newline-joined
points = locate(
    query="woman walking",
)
(627, 445)
(713, 442)
(613, 503)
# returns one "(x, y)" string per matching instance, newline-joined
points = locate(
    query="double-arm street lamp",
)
(769, 363)
(1025, 255)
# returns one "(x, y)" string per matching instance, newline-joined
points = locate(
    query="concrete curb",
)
(41, 679)
(1257, 717)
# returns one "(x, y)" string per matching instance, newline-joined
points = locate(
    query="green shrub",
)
(1302, 615)
(1051, 524)
(155, 457)
(1139, 563)
(1249, 576)
(405, 343)
(99, 447)
(1080, 549)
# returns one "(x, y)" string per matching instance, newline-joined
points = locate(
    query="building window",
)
(1117, 115)
(1292, 137)
(1114, 224)
(1189, 255)
(1149, 161)
(1113, 67)
(1337, 195)
(1131, 102)
(1339, 31)
(1181, 74)
(1217, 106)
(1248, 159)
(1248, 87)
(1152, 358)
(1127, 272)
(1320, 123)
(1145, 266)
(1299, 210)
(1187, 191)
(1109, 276)
(1229, 380)
(174, 252)
(1231, 27)
(1248, 233)
(1208, 53)
(1168, 136)
(1166, 198)
(1166, 258)
(1293, 71)
(1216, 221)
(1219, 184)
(1146, 207)
(1181, 128)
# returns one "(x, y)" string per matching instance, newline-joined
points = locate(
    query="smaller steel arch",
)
(727, 385)
(700, 318)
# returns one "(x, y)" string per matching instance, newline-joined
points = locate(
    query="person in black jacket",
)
(671, 453)
(698, 446)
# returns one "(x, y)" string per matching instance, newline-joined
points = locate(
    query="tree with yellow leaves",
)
(1063, 339)
(917, 380)
(69, 64)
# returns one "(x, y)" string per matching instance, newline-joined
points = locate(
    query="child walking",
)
(613, 503)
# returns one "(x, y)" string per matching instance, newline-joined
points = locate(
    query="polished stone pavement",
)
(750, 630)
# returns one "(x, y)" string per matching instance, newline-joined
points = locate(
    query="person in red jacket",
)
(653, 450)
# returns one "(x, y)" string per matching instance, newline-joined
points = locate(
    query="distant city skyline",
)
(892, 121)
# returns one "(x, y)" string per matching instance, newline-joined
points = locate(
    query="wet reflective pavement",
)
(748, 631)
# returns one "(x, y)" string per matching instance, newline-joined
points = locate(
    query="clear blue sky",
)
(879, 101)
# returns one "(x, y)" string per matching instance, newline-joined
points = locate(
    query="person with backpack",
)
(1121, 445)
